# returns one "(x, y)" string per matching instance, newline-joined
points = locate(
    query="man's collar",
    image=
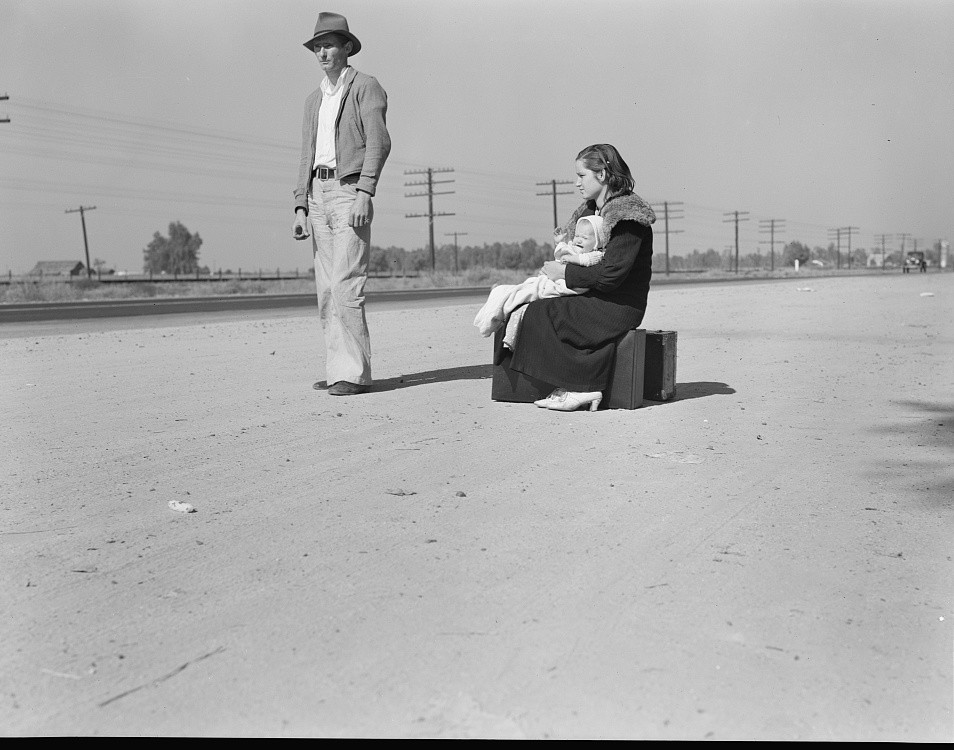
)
(327, 88)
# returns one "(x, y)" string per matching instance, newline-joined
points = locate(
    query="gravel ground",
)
(767, 557)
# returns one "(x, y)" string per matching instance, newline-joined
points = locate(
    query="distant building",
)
(58, 268)
(875, 260)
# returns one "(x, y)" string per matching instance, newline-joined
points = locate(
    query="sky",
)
(818, 114)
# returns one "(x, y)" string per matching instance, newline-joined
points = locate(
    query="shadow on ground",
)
(919, 440)
(699, 389)
(471, 372)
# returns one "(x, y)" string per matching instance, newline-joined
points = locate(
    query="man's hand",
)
(300, 227)
(554, 270)
(362, 211)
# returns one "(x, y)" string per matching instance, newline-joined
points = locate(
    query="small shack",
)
(58, 268)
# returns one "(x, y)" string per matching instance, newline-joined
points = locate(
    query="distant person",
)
(507, 302)
(345, 143)
(569, 342)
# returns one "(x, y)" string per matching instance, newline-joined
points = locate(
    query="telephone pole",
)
(903, 236)
(82, 212)
(837, 234)
(849, 230)
(666, 217)
(456, 235)
(430, 182)
(769, 226)
(553, 191)
(735, 216)
(882, 239)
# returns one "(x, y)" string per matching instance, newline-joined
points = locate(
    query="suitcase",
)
(624, 390)
(660, 369)
(626, 384)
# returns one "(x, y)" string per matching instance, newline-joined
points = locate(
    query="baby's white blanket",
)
(506, 298)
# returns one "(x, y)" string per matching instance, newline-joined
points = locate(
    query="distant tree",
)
(387, 259)
(728, 259)
(710, 259)
(796, 251)
(178, 253)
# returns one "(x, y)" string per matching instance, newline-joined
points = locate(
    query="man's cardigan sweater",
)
(362, 143)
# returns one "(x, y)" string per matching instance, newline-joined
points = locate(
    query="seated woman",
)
(569, 342)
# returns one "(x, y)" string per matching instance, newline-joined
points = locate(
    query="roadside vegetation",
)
(79, 289)
(172, 268)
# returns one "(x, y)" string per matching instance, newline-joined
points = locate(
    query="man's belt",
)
(324, 173)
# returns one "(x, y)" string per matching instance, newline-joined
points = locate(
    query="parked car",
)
(914, 259)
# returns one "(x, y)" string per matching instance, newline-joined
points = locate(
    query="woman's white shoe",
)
(545, 402)
(568, 401)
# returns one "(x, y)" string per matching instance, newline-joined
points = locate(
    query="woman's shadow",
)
(698, 389)
(684, 391)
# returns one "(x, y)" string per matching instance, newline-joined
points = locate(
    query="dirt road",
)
(767, 557)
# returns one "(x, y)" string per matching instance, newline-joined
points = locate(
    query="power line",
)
(736, 218)
(82, 212)
(430, 182)
(553, 191)
(455, 234)
(769, 225)
(666, 217)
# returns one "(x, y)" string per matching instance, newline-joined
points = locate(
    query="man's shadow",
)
(469, 372)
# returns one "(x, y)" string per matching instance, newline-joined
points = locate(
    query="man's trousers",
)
(341, 255)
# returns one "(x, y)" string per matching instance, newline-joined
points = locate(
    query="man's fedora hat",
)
(333, 23)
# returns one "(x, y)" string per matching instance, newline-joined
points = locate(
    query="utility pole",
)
(666, 217)
(837, 235)
(849, 230)
(430, 182)
(3, 99)
(882, 239)
(769, 225)
(736, 218)
(903, 236)
(456, 234)
(82, 212)
(553, 191)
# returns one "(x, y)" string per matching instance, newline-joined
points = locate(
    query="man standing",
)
(345, 143)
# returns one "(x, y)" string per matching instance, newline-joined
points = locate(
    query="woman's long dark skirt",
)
(570, 341)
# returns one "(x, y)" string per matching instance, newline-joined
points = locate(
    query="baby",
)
(582, 251)
(507, 302)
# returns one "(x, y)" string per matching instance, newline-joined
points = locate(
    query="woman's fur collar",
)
(623, 207)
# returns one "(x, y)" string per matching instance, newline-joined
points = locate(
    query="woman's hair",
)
(603, 156)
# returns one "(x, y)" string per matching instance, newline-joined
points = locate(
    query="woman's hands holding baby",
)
(554, 270)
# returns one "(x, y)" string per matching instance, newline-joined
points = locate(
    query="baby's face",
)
(585, 238)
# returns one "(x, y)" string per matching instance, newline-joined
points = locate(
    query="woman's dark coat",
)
(569, 342)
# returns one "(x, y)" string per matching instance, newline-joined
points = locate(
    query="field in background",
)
(25, 289)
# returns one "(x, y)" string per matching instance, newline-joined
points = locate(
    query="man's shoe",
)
(344, 388)
(321, 385)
